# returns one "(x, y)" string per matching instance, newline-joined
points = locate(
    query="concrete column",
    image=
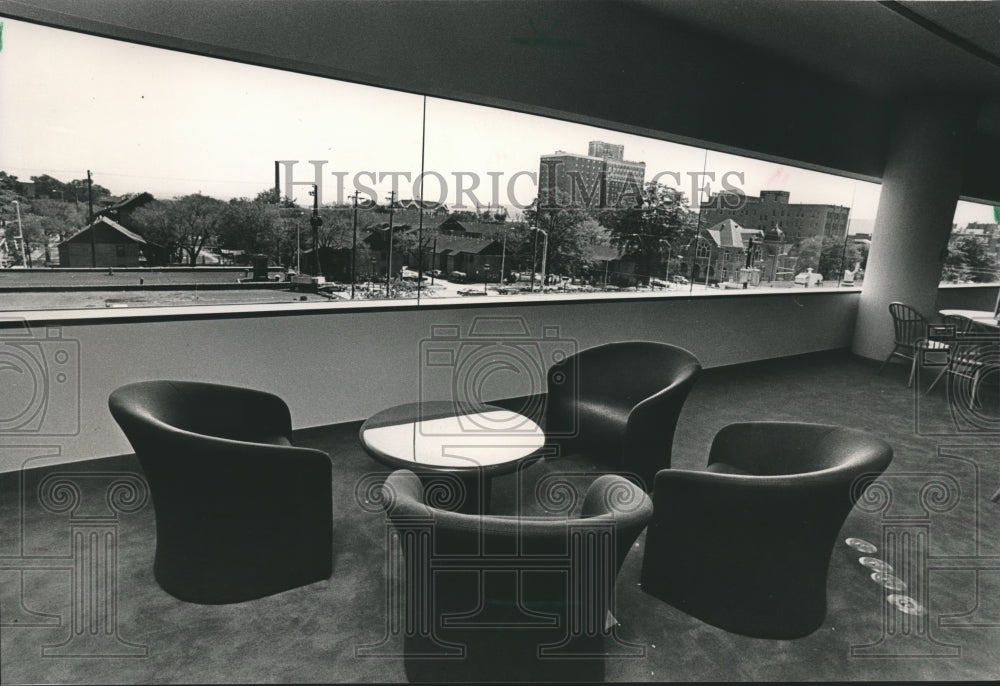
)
(920, 188)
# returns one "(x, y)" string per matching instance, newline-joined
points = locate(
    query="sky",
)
(146, 119)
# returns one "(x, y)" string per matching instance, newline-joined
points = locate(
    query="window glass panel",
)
(203, 176)
(973, 246)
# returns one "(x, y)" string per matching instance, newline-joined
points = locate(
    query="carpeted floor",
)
(946, 467)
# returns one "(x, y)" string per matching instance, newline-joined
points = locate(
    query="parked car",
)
(470, 291)
(808, 278)
(682, 280)
(457, 277)
(526, 277)
(657, 283)
(434, 272)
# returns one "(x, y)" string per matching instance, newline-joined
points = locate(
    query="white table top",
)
(470, 440)
(984, 317)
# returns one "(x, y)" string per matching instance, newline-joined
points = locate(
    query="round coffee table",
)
(457, 449)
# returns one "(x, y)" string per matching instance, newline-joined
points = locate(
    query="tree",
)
(75, 191)
(268, 196)
(829, 256)
(46, 221)
(967, 260)
(569, 242)
(9, 183)
(182, 225)
(250, 226)
(659, 228)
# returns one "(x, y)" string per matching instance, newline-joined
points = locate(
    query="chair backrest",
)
(622, 401)
(611, 503)
(633, 370)
(960, 324)
(794, 448)
(909, 325)
(206, 409)
(505, 574)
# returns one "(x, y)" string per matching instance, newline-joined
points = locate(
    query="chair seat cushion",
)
(602, 417)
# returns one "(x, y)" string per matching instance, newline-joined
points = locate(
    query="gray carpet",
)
(946, 467)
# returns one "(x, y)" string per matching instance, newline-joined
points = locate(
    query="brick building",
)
(601, 178)
(798, 221)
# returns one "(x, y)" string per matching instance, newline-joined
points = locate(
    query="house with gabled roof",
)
(722, 249)
(106, 243)
(474, 256)
(121, 211)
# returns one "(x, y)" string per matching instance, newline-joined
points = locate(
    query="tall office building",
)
(798, 221)
(606, 151)
(602, 178)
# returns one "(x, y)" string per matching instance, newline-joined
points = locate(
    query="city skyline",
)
(147, 119)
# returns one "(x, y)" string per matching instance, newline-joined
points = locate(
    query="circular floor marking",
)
(861, 545)
(905, 603)
(893, 583)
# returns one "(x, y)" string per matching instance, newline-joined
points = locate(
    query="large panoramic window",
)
(973, 255)
(158, 178)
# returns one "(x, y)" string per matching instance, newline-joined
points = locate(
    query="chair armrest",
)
(403, 491)
(615, 495)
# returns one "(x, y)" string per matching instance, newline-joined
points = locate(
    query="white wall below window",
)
(341, 366)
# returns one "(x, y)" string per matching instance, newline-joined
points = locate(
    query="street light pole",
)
(670, 249)
(388, 265)
(534, 258)
(486, 277)
(503, 254)
(708, 265)
(694, 255)
(545, 253)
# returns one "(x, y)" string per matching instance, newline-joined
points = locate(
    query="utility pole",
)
(420, 202)
(90, 221)
(20, 235)
(388, 265)
(354, 244)
(434, 256)
(316, 221)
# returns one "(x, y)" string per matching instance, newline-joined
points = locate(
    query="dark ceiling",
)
(891, 48)
(817, 82)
